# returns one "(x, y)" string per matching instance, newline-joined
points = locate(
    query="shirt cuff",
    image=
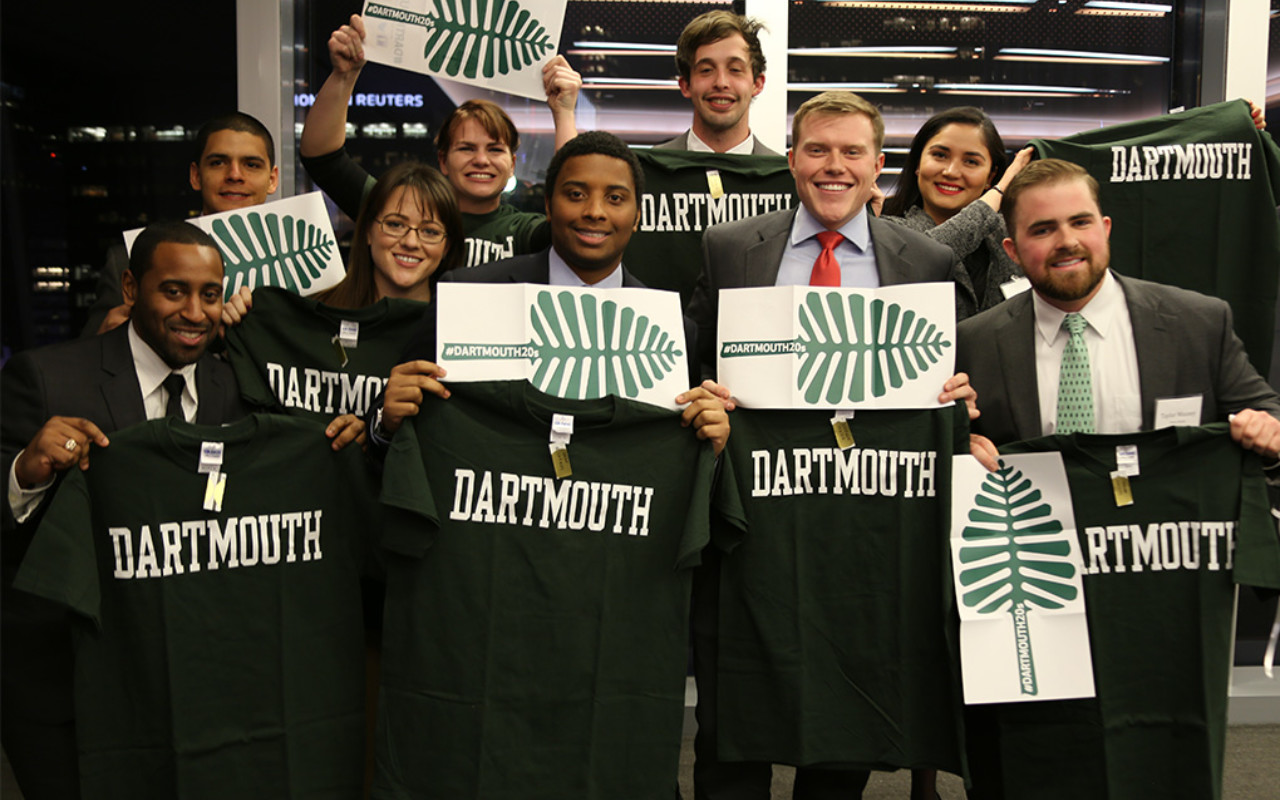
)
(24, 502)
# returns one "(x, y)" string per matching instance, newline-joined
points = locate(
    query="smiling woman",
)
(409, 232)
(950, 189)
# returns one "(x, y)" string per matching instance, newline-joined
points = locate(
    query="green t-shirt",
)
(220, 652)
(536, 631)
(285, 356)
(503, 233)
(1160, 578)
(678, 205)
(1193, 200)
(837, 641)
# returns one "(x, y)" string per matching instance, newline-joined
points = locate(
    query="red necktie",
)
(826, 270)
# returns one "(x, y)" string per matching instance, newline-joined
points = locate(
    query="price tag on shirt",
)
(843, 431)
(1121, 488)
(214, 489)
(714, 184)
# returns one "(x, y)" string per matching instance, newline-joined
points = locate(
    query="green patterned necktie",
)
(1075, 384)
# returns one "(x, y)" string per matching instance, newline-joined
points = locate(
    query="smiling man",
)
(721, 69)
(234, 167)
(830, 240)
(59, 403)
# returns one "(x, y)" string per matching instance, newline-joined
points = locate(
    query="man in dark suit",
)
(1170, 343)
(835, 158)
(593, 187)
(721, 69)
(59, 403)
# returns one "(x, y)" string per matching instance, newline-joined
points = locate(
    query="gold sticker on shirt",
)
(214, 489)
(714, 184)
(1123, 491)
(560, 461)
(339, 351)
(844, 434)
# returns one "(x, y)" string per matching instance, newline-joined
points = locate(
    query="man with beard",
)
(1145, 341)
(721, 70)
(60, 402)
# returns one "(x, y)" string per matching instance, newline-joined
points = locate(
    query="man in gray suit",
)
(1146, 342)
(835, 159)
(721, 70)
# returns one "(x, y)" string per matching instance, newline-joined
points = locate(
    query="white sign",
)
(568, 342)
(288, 244)
(819, 347)
(500, 45)
(1017, 564)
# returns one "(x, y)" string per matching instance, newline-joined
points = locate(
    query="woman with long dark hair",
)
(950, 189)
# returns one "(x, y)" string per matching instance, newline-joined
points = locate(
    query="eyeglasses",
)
(427, 234)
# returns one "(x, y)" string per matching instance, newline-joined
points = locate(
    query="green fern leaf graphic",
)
(584, 348)
(853, 350)
(1018, 558)
(484, 38)
(272, 250)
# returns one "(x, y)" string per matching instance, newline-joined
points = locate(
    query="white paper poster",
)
(814, 347)
(498, 44)
(287, 243)
(1023, 631)
(569, 342)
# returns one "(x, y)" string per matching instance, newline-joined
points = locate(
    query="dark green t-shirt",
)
(1159, 579)
(536, 630)
(285, 357)
(837, 635)
(678, 205)
(221, 651)
(1193, 200)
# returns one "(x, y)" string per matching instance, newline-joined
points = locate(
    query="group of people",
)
(961, 213)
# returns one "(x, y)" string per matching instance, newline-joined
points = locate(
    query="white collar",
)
(559, 274)
(744, 148)
(150, 367)
(1100, 312)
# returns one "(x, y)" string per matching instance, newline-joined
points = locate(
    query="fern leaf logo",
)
(1017, 559)
(850, 349)
(475, 37)
(584, 348)
(267, 249)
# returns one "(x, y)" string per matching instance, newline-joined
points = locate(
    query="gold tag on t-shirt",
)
(560, 460)
(1123, 491)
(844, 434)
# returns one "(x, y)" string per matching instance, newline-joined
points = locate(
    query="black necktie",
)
(174, 384)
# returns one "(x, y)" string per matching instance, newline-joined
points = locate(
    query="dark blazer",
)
(1185, 346)
(681, 142)
(93, 378)
(748, 252)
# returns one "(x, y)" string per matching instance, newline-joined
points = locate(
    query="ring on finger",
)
(71, 444)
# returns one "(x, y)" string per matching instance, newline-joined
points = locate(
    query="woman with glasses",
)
(408, 233)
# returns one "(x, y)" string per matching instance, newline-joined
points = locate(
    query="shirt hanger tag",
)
(840, 425)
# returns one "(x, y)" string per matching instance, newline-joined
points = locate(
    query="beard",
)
(1069, 287)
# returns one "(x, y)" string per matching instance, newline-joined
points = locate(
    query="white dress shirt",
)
(744, 148)
(560, 275)
(1113, 360)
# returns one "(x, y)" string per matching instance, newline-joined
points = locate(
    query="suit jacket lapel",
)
(764, 257)
(1015, 348)
(120, 391)
(887, 245)
(1157, 370)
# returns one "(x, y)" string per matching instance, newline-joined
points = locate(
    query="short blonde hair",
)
(838, 103)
